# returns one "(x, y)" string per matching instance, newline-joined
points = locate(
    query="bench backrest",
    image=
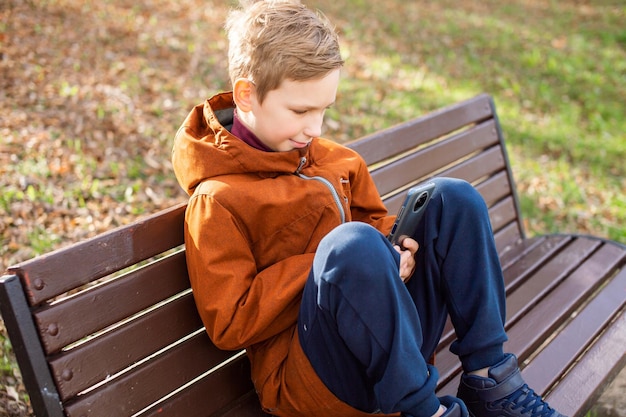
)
(118, 327)
(460, 141)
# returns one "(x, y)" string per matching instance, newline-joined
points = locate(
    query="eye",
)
(296, 111)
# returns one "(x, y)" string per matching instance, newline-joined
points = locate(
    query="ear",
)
(243, 91)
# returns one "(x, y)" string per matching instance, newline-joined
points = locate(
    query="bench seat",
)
(108, 326)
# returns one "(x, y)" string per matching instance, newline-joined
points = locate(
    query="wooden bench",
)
(108, 326)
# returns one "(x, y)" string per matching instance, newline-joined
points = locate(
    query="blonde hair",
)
(274, 40)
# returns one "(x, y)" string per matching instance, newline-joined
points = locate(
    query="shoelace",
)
(526, 399)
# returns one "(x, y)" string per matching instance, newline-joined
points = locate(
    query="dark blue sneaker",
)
(503, 394)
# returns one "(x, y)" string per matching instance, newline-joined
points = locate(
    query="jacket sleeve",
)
(239, 306)
(366, 204)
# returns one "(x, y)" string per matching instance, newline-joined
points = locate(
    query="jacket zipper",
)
(327, 183)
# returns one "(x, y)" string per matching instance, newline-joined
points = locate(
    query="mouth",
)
(297, 144)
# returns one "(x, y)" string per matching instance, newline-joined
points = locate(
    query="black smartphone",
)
(411, 212)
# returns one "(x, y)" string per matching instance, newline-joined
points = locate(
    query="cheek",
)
(285, 126)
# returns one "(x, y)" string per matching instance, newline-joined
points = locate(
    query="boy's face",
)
(291, 115)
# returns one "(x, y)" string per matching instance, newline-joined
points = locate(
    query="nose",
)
(313, 126)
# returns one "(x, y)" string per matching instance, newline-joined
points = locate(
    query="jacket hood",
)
(204, 148)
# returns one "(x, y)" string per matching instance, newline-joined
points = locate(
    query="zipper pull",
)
(301, 165)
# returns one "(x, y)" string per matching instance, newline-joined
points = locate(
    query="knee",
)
(354, 249)
(354, 263)
(459, 195)
(352, 239)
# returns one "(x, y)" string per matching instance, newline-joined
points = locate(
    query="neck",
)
(244, 133)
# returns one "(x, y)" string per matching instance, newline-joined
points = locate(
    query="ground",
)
(613, 402)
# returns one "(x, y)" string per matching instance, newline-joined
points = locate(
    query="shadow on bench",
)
(108, 327)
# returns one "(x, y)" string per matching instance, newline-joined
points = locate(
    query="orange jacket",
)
(252, 226)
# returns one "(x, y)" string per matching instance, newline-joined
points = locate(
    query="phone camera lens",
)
(421, 200)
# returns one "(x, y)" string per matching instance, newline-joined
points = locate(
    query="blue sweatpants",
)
(368, 335)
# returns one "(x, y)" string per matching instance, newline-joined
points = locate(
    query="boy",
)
(289, 231)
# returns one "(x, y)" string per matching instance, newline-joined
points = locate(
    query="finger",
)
(407, 265)
(410, 244)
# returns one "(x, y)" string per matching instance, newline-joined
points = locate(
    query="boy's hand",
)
(407, 257)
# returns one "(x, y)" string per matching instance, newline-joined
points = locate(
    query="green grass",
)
(6, 360)
(557, 71)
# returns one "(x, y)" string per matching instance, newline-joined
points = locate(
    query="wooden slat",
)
(547, 277)
(486, 163)
(503, 214)
(516, 268)
(495, 189)
(516, 252)
(400, 138)
(594, 371)
(563, 300)
(151, 381)
(87, 364)
(393, 203)
(50, 275)
(510, 235)
(231, 392)
(434, 158)
(110, 303)
(549, 365)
